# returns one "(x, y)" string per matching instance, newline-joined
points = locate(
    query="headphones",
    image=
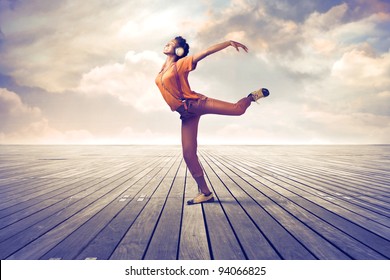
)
(179, 51)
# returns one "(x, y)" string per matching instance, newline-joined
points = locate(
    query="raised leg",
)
(215, 106)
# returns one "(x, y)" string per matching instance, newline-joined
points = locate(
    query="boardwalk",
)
(128, 202)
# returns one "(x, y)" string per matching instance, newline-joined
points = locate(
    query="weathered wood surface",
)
(129, 202)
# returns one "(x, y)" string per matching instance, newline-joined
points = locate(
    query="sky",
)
(82, 72)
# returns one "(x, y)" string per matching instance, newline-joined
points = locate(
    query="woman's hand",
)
(238, 45)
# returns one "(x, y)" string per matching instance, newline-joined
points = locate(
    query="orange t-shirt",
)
(167, 83)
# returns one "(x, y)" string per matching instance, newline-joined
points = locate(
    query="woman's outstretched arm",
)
(216, 48)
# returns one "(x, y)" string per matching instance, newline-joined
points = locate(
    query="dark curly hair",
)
(183, 43)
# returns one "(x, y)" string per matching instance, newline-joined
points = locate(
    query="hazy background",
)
(82, 72)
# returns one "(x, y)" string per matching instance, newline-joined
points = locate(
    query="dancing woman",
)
(172, 82)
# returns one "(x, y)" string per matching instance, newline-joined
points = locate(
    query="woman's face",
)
(170, 47)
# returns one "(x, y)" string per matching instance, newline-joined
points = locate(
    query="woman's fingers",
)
(237, 45)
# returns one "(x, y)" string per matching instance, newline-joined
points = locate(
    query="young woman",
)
(172, 81)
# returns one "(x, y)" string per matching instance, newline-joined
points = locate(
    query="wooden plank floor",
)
(128, 202)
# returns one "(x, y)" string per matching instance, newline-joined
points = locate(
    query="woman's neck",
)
(168, 62)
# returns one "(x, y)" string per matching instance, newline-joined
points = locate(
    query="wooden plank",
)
(169, 223)
(42, 236)
(29, 213)
(193, 238)
(64, 189)
(224, 244)
(49, 205)
(343, 223)
(104, 243)
(375, 221)
(252, 240)
(358, 250)
(287, 246)
(308, 171)
(364, 236)
(334, 184)
(299, 230)
(135, 243)
(286, 202)
(27, 196)
(345, 207)
(132, 190)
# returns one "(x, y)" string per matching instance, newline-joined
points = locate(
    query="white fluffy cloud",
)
(24, 124)
(50, 44)
(14, 113)
(19, 121)
(362, 68)
(336, 72)
(132, 82)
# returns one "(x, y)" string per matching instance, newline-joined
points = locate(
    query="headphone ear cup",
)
(179, 51)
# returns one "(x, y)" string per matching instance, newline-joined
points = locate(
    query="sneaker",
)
(257, 94)
(201, 198)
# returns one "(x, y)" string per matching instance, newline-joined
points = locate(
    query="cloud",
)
(24, 124)
(14, 114)
(307, 47)
(362, 68)
(20, 122)
(345, 128)
(84, 72)
(77, 120)
(132, 82)
(52, 56)
(50, 44)
(335, 59)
